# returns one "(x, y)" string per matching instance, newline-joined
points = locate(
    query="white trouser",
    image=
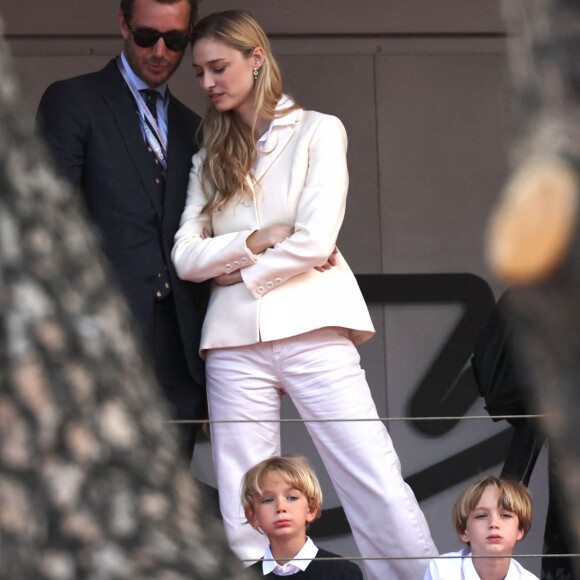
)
(320, 370)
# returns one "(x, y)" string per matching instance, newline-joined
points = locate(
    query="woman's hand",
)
(223, 279)
(330, 263)
(268, 237)
(256, 242)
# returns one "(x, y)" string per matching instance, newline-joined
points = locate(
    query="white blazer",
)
(300, 180)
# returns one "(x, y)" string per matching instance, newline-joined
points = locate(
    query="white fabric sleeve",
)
(196, 259)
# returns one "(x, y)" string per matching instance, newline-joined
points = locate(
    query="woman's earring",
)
(256, 73)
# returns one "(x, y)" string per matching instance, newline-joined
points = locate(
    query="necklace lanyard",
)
(150, 127)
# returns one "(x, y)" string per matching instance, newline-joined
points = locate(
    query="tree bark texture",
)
(534, 241)
(92, 484)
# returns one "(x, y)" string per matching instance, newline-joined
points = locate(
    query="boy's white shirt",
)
(459, 568)
(299, 563)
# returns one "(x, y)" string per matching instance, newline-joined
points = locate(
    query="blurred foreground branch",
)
(534, 236)
(91, 481)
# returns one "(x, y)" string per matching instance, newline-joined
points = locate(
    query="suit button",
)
(157, 181)
(236, 263)
(269, 285)
(228, 267)
(260, 289)
(244, 260)
(278, 281)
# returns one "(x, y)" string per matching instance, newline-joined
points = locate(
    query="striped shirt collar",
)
(139, 83)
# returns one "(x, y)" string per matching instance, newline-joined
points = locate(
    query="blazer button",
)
(236, 263)
(260, 289)
(278, 281)
(244, 261)
(269, 285)
(228, 267)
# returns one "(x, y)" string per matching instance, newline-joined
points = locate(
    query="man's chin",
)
(155, 76)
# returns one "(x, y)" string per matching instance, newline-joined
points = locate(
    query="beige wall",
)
(422, 89)
(348, 17)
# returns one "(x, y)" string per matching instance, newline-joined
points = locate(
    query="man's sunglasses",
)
(148, 37)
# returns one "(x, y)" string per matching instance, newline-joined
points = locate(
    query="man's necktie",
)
(150, 98)
(160, 280)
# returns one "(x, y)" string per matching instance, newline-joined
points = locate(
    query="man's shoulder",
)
(184, 111)
(85, 83)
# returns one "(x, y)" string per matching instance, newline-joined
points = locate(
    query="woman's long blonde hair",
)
(229, 143)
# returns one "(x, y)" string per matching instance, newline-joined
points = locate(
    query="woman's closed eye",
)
(218, 70)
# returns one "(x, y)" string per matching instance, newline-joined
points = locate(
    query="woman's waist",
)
(285, 311)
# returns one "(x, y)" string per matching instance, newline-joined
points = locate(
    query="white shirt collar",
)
(139, 83)
(298, 563)
(470, 573)
(289, 119)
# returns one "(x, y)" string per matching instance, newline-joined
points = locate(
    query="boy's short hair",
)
(512, 496)
(293, 468)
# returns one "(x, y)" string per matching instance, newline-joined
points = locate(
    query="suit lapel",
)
(123, 110)
(276, 142)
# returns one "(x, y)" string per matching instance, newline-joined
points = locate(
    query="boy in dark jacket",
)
(281, 496)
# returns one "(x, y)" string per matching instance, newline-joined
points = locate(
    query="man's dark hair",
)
(127, 9)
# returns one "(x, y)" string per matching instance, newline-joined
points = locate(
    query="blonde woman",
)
(265, 203)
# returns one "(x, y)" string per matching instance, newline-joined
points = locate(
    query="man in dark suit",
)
(130, 153)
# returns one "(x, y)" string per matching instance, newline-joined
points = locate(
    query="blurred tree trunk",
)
(92, 484)
(534, 238)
